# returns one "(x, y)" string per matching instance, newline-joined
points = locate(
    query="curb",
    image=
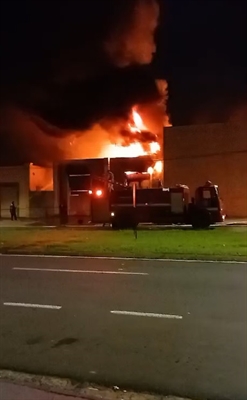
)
(68, 387)
(183, 260)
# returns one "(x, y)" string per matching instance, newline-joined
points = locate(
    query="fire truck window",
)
(177, 203)
(215, 199)
(206, 194)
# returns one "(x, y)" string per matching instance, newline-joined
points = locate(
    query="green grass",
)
(214, 244)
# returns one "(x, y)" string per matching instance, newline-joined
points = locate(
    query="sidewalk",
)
(22, 386)
(23, 223)
(11, 391)
(28, 223)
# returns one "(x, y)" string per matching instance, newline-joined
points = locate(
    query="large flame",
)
(109, 142)
(136, 148)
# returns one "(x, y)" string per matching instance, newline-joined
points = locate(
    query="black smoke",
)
(79, 104)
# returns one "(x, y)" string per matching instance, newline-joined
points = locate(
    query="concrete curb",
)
(35, 224)
(68, 387)
(75, 256)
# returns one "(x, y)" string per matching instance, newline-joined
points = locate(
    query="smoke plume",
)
(22, 140)
(70, 71)
(132, 42)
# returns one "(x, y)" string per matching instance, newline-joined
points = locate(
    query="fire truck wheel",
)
(201, 219)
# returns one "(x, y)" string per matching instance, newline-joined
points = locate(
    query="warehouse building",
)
(216, 152)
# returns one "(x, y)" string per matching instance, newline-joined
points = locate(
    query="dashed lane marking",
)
(30, 305)
(143, 314)
(80, 271)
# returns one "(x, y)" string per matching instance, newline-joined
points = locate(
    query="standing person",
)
(12, 210)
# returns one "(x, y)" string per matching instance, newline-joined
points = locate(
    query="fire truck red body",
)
(128, 206)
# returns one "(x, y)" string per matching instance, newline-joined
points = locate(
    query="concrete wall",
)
(216, 152)
(18, 175)
(41, 204)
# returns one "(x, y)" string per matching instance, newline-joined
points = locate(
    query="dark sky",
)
(202, 53)
(48, 48)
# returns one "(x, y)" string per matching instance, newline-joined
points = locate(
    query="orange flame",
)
(158, 167)
(97, 142)
(116, 150)
(138, 121)
(135, 149)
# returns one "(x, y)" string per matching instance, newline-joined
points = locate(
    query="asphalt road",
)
(171, 327)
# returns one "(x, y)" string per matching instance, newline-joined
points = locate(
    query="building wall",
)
(41, 195)
(216, 152)
(41, 178)
(17, 176)
(41, 204)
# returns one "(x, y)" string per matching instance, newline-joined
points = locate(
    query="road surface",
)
(170, 327)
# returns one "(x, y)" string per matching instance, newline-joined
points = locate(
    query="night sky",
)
(202, 53)
(53, 64)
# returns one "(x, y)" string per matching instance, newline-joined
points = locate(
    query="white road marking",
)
(143, 314)
(80, 271)
(33, 305)
(125, 258)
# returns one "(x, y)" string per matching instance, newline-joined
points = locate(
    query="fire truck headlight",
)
(112, 214)
(90, 192)
(99, 192)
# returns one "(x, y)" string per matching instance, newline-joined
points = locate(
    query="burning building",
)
(133, 143)
(133, 153)
(91, 93)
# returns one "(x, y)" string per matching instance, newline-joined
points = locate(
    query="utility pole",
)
(134, 209)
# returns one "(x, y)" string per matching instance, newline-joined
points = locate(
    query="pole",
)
(134, 195)
(134, 210)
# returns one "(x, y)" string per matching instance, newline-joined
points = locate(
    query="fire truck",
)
(130, 204)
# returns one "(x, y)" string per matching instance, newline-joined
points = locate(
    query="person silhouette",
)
(12, 210)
